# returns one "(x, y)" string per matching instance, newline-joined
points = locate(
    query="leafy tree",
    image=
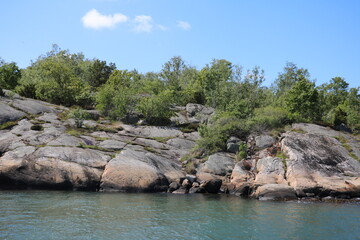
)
(302, 100)
(9, 75)
(352, 104)
(213, 79)
(117, 98)
(98, 72)
(56, 77)
(290, 76)
(156, 109)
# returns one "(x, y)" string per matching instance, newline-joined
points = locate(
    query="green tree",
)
(9, 75)
(214, 78)
(157, 108)
(98, 72)
(290, 76)
(352, 105)
(118, 97)
(56, 77)
(302, 100)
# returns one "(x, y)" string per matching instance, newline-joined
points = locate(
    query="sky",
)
(322, 36)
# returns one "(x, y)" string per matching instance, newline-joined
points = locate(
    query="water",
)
(81, 215)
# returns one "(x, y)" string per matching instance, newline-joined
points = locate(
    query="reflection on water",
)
(80, 215)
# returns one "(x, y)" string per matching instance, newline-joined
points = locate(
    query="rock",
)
(66, 140)
(180, 143)
(193, 109)
(319, 164)
(150, 143)
(186, 184)
(218, 164)
(151, 131)
(9, 114)
(197, 190)
(191, 178)
(181, 191)
(198, 113)
(21, 169)
(112, 144)
(137, 171)
(232, 147)
(270, 170)
(33, 107)
(173, 186)
(87, 157)
(275, 192)
(264, 141)
(211, 186)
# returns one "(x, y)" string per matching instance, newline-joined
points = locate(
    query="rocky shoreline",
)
(40, 149)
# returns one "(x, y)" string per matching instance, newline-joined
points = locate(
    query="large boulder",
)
(139, 171)
(33, 107)
(220, 164)
(8, 114)
(321, 165)
(21, 169)
(275, 192)
(264, 141)
(270, 170)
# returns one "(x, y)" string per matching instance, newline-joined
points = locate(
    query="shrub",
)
(217, 132)
(156, 109)
(79, 115)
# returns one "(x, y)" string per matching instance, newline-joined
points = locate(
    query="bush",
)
(156, 109)
(79, 115)
(217, 132)
(268, 118)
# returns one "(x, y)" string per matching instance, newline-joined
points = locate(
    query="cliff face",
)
(41, 150)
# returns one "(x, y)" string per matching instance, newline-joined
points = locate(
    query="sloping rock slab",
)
(31, 106)
(270, 170)
(275, 192)
(8, 114)
(20, 169)
(319, 164)
(85, 157)
(137, 171)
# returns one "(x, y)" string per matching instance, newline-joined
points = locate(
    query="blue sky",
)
(322, 36)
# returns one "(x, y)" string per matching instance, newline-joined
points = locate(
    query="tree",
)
(98, 72)
(352, 104)
(291, 75)
(117, 98)
(213, 79)
(302, 100)
(9, 75)
(56, 77)
(172, 71)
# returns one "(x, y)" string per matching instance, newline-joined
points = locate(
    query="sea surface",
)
(84, 215)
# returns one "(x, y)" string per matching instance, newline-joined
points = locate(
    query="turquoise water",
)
(81, 215)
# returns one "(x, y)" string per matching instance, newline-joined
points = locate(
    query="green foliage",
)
(79, 115)
(268, 117)
(286, 80)
(242, 150)
(302, 100)
(117, 98)
(217, 132)
(156, 109)
(10, 74)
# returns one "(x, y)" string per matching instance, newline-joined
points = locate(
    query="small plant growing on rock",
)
(79, 115)
(242, 151)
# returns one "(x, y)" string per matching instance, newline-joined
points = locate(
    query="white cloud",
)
(143, 23)
(94, 19)
(184, 25)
